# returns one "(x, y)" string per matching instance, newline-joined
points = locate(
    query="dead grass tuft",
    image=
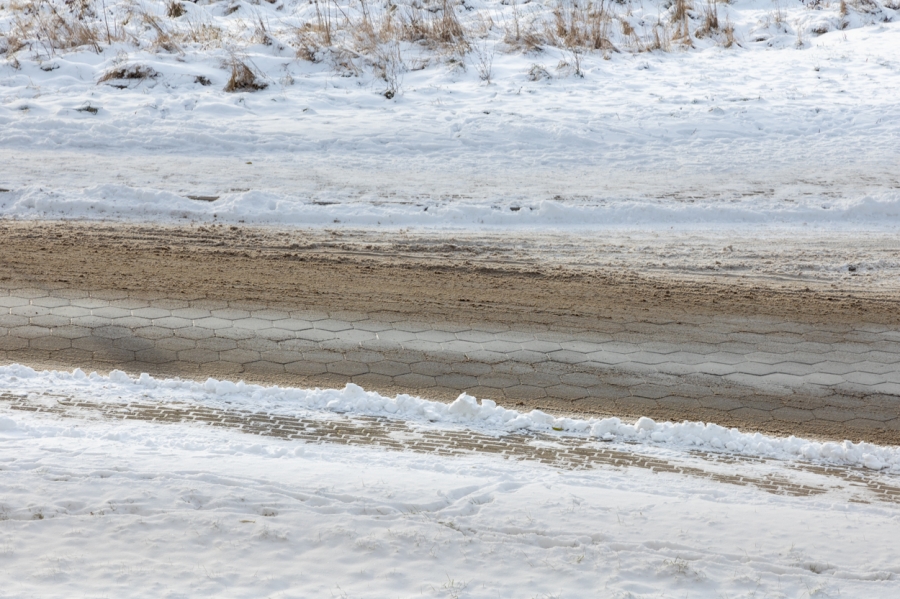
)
(133, 72)
(710, 24)
(582, 26)
(243, 78)
(175, 9)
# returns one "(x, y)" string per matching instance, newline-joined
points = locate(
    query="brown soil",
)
(424, 276)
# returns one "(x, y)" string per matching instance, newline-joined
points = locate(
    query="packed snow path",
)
(838, 381)
(184, 489)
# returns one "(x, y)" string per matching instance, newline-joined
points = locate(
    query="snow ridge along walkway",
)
(558, 450)
(837, 382)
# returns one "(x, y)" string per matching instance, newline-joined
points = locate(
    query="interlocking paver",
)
(151, 313)
(191, 313)
(110, 312)
(50, 343)
(195, 333)
(198, 356)
(305, 368)
(212, 322)
(832, 374)
(348, 368)
(254, 324)
(176, 343)
(171, 322)
(12, 301)
(29, 311)
(134, 343)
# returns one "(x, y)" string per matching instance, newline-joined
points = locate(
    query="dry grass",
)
(175, 9)
(582, 26)
(243, 77)
(134, 72)
(357, 36)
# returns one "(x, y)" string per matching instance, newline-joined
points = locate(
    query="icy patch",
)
(466, 410)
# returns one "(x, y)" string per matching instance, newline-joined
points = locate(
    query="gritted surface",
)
(437, 316)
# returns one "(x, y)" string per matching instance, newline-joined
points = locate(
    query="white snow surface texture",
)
(789, 125)
(467, 410)
(135, 509)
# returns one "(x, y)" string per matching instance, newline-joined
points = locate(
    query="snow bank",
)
(465, 410)
(789, 124)
(113, 201)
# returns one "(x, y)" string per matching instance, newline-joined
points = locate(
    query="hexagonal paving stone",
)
(29, 332)
(50, 343)
(415, 381)
(191, 313)
(152, 332)
(70, 311)
(389, 368)
(239, 356)
(88, 302)
(263, 367)
(50, 302)
(134, 343)
(498, 381)
(253, 324)
(471, 368)
(172, 322)
(198, 356)
(230, 314)
(113, 355)
(13, 301)
(235, 334)
(156, 356)
(347, 368)
(277, 334)
(195, 333)
(436, 336)
(151, 313)
(132, 322)
(568, 357)
(32, 292)
(110, 312)
(475, 336)
(430, 368)
(29, 311)
(8, 343)
(305, 368)
(212, 323)
(270, 315)
(129, 303)
(372, 326)
(216, 344)
(396, 336)
(280, 356)
(176, 343)
(112, 332)
(11, 321)
(293, 324)
(71, 332)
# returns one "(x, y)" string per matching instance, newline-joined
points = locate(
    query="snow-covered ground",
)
(790, 124)
(92, 507)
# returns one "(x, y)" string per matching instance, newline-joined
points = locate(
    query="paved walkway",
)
(564, 451)
(837, 381)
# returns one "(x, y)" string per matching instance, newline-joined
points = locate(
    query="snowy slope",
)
(131, 509)
(789, 124)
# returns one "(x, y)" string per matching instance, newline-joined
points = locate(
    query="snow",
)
(766, 132)
(91, 507)
(466, 410)
(788, 127)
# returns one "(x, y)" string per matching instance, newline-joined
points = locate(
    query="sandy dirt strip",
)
(817, 301)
